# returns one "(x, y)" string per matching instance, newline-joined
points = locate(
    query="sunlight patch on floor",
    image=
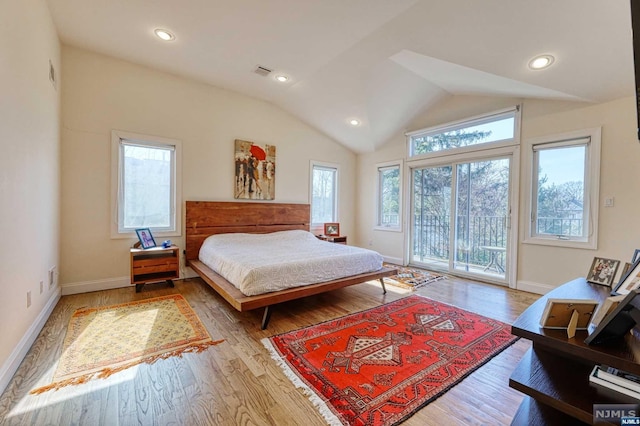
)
(389, 287)
(35, 402)
(30, 402)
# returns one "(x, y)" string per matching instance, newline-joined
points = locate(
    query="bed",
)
(206, 218)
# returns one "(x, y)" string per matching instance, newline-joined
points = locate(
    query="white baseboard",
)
(17, 356)
(96, 285)
(532, 287)
(394, 260)
(187, 273)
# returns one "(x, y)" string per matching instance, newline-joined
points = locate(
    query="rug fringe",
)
(106, 372)
(328, 415)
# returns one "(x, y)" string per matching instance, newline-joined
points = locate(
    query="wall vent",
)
(262, 71)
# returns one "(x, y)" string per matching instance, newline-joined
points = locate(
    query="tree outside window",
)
(565, 181)
(389, 196)
(324, 194)
(560, 209)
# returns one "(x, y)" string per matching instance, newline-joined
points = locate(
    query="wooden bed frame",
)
(204, 218)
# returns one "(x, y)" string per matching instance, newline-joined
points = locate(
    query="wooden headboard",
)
(204, 218)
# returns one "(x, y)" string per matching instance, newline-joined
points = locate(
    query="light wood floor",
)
(236, 382)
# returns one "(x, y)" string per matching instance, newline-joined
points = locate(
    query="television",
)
(635, 27)
(619, 322)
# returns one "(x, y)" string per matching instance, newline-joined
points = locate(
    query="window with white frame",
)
(146, 183)
(498, 128)
(389, 196)
(565, 173)
(324, 193)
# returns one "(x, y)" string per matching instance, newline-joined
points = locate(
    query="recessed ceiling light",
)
(282, 78)
(164, 34)
(354, 122)
(540, 62)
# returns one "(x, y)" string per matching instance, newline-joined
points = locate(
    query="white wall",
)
(29, 175)
(539, 267)
(101, 93)
(619, 234)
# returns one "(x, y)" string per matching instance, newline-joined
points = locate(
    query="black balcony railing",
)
(560, 226)
(473, 235)
(390, 219)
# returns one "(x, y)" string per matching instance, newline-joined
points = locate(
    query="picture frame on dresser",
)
(568, 314)
(603, 271)
(558, 313)
(625, 268)
(629, 281)
(618, 323)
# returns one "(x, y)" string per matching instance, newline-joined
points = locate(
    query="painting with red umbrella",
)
(255, 171)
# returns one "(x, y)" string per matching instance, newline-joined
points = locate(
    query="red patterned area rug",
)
(380, 366)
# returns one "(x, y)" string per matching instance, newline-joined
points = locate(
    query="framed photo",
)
(636, 256)
(617, 323)
(603, 271)
(332, 229)
(558, 313)
(629, 281)
(605, 308)
(146, 238)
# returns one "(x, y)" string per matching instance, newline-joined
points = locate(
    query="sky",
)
(502, 129)
(562, 165)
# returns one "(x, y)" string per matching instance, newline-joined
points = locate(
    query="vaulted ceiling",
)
(381, 62)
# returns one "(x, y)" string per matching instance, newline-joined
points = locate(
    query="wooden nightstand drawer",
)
(155, 264)
(339, 240)
(150, 269)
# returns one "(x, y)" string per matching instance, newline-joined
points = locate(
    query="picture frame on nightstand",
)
(332, 229)
(146, 238)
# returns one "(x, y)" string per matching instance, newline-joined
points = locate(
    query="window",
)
(463, 196)
(145, 180)
(564, 189)
(495, 129)
(389, 199)
(324, 193)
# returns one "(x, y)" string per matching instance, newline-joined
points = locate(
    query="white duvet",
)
(262, 263)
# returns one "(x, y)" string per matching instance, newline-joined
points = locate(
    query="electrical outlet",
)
(41, 286)
(28, 299)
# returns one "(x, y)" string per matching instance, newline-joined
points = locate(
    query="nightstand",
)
(153, 265)
(337, 240)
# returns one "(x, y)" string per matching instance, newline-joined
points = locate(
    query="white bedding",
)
(262, 263)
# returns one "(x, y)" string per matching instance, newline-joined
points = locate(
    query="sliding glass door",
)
(431, 215)
(460, 217)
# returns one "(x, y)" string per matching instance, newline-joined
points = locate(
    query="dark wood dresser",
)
(554, 373)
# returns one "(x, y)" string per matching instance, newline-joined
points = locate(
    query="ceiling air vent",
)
(262, 71)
